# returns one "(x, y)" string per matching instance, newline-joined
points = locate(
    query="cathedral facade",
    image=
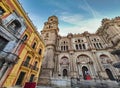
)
(85, 56)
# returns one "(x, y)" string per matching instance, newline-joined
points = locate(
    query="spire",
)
(51, 24)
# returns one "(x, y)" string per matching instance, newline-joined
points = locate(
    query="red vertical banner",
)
(30, 85)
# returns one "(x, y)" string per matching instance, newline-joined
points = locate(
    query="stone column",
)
(96, 60)
(101, 71)
(103, 41)
(4, 68)
(71, 64)
(117, 28)
(56, 66)
(2, 73)
(74, 65)
(89, 42)
(97, 64)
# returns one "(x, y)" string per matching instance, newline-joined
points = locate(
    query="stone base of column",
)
(45, 77)
(73, 74)
(103, 75)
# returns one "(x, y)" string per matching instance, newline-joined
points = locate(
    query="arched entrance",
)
(65, 73)
(110, 75)
(86, 74)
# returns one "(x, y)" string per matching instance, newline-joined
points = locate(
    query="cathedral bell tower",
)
(49, 34)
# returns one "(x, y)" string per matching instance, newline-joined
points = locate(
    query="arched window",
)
(84, 46)
(32, 78)
(40, 51)
(83, 59)
(94, 45)
(76, 47)
(97, 45)
(80, 46)
(66, 47)
(78, 40)
(34, 45)
(62, 48)
(100, 45)
(15, 25)
(2, 11)
(104, 59)
(112, 42)
(25, 37)
(26, 63)
(64, 61)
(95, 39)
(75, 41)
(35, 63)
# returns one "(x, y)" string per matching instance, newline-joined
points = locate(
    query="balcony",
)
(35, 68)
(14, 31)
(8, 56)
(26, 64)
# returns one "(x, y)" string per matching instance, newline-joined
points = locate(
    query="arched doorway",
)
(110, 75)
(86, 74)
(65, 73)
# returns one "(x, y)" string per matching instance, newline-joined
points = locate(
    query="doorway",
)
(86, 74)
(20, 78)
(110, 75)
(65, 73)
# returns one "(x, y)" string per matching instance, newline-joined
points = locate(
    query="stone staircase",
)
(67, 83)
(95, 84)
(16, 87)
(57, 83)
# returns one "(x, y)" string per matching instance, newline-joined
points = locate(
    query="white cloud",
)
(80, 22)
(86, 7)
(90, 25)
(58, 4)
(37, 21)
(71, 18)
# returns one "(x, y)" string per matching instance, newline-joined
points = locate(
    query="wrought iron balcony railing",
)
(35, 68)
(26, 64)
(14, 31)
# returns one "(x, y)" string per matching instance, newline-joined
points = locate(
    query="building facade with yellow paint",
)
(29, 49)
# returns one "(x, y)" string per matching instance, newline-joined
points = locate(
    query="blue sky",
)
(75, 16)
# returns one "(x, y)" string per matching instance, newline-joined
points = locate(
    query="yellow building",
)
(31, 49)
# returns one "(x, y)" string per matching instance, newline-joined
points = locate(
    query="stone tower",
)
(49, 34)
